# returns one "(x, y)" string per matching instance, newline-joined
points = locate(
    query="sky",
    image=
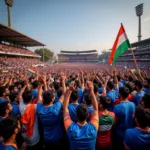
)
(77, 24)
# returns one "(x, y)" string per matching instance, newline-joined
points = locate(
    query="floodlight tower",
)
(139, 13)
(9, 4)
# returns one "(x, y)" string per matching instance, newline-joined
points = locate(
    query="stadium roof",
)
(143, 42)
(88, 51)
(11, 36)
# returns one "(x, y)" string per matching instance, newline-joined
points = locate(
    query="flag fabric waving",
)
(120, 46)
(31, 70)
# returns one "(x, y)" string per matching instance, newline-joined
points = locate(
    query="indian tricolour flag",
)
(120, 46)
(31, 70)
(5, 71)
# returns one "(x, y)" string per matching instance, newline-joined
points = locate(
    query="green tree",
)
(48, 54)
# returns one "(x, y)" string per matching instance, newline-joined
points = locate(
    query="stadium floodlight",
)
(139, 13)
(9, 4)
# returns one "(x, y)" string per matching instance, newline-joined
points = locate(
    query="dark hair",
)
(88, 98)
(56, 85)
(118, 77)
(110, 84)
(148, 80)
(74, 95)
(77, 83)
(47, 97)
(3, 107)
(59, 93)
(35, 84)
(124, 92)
(27, 96)
(142, 116)
(95, 88)
(105, 101)
(138, 84)
(82, 112)
(146, 100)
(130, 78)
(13, 96)
(129, 86)
(11, 88)
(2, 90)
(7, 127)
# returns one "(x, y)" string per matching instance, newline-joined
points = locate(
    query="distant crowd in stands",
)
(16, 50)
(76, 107)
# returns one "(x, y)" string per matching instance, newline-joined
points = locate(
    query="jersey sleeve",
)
(67, 122)
(57, 107)
(94, 120)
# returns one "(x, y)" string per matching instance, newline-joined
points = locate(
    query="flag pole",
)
(134, 59)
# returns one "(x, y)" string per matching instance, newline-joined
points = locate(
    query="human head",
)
(2, 91)
(56, 85)
(104, 102)
(119, 78)
(5, 109)
(13, 96)
(59, 92)
(35, 84)
(138, 85)
(7, 92)
(48, 97)
(74, 95)
(27, 96)
(142, 117)
(9, 128)
(129, 86)
(95, 88)
(147, 83)
(110, 85)
(146, 101)
(123, 93)
(88, 99)
(82, 112)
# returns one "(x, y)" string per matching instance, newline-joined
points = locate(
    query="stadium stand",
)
(78, 56)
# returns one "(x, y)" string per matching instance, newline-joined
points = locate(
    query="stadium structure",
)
(142, 54)
(14, 44)
(90, 56)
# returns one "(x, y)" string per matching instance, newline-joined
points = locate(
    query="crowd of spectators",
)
(16, 50)
(66, 106)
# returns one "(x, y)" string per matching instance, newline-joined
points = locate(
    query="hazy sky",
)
(77, 24)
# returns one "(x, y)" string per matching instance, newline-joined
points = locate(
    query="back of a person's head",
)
(129, 86)
(56, 85)
(13, 96)
(95, 88)
(130, 78)
(3, 107)
(99, 85)
(110, 85)
(35, 84)
(124, 92)
(104, 101)
(119, 78)
(8, 127)
(146, 101)
(74, 95)
(142, 116)
(2, 90)
(59, 92)
(138, 84)
(82, 112)
(47, 97)
(88, 98)
(27, 96)
(77, 83)
(11, 88)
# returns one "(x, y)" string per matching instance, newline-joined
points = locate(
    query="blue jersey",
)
(72, 111)
(147, 91)
(51, 119)
(82, 137)
(7, 147)
(100, 90)
(137, 98)
(90, 109)
(124, 118)
(80, 92)
(35, 94)
(137, 139)
(2, 100)
(112, 95)
(15, 109)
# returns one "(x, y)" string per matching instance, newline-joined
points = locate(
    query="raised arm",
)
(82, 80)
(63, 80)
(115, 78)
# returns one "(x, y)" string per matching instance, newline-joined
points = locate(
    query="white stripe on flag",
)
(122, 39)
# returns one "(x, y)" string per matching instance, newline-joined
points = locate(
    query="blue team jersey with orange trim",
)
(6, 147)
